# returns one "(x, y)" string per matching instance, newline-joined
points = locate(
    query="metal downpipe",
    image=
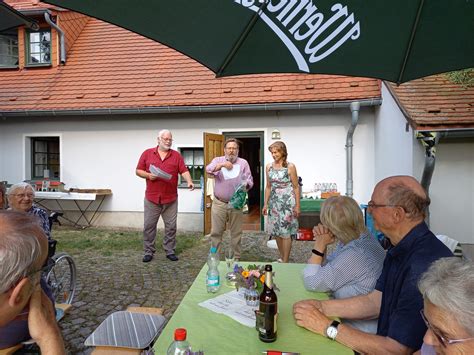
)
(62, 41)
(429, 140)
(355, 107)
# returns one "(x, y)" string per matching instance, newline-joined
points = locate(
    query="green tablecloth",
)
(218, 334)
(310, 205)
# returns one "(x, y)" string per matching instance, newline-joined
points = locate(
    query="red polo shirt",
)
(160, 190)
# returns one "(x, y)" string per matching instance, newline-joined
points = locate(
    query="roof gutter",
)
(451, 133)
(193, 109)
(62, 41)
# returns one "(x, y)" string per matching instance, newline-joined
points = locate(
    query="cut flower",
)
(251, 277)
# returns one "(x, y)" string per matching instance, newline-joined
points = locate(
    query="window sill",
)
(44, 65)
(8, 67)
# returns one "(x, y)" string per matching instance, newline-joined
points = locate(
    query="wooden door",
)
(213, 147)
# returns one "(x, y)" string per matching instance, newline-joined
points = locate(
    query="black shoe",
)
(172, 257)
(147, 258)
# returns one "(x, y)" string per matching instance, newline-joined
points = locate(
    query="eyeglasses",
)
(166, 139)
(231, 148)
(371, 204)
(24, 195)
(442, 340)
(45, 268)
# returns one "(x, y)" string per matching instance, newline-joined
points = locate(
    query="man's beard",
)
(231, 158)
(165, 147)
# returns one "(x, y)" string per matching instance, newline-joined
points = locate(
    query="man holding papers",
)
(160, 167)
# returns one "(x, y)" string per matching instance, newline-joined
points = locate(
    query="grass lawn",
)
(108, 241)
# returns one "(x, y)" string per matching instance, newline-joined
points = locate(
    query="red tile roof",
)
(22, 5)
(435, 103)
(109, 67)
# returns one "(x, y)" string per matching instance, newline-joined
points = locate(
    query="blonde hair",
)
(343, 216)
(281, 147)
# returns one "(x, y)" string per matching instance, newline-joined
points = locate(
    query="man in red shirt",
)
(160, 167)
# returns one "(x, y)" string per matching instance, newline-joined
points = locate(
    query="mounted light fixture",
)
(276, 134)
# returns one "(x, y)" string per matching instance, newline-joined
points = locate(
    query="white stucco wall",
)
(393, 143)
(452, 191)
(102, 152)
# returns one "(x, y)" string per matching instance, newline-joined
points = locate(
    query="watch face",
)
(331, 332)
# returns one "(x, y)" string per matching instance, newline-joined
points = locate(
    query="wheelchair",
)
(61, 274)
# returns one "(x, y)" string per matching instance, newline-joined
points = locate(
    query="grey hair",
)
(402, 195)
(163, 131)
(20, 186)
(449, 284)
(20, 248)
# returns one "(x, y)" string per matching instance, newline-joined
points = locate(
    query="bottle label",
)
(213, 280)
(261, 324)
(267, 319)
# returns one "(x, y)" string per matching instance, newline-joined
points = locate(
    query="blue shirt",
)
(350, 270)
(404, 264)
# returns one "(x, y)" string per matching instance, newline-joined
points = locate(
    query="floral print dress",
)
(281, 220)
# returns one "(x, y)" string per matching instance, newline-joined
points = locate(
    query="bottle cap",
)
(180, 334)
(268, 267)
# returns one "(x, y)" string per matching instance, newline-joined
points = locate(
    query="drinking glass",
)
(229, 258)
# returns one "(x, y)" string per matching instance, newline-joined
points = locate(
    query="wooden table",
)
(218, 334)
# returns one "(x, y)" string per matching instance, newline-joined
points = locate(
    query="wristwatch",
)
(331, 331)
(314, 251)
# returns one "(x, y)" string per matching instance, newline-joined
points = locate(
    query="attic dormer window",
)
(9, 49)
(38, 44)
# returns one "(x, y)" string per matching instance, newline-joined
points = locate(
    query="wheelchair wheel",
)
(62, 278)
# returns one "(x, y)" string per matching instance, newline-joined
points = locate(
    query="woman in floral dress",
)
(282, 202)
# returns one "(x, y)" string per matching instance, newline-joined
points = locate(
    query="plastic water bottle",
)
(179, 346)
(213, 281)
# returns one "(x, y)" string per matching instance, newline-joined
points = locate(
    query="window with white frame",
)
(9, 48)
(194, 161)
(38, 47)
(45, 158)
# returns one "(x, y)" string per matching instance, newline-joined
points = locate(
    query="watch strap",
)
(314, 251)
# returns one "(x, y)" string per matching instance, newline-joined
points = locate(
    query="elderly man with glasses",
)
(229, 172)
(25, 310)
(398, 207)
(160, 167)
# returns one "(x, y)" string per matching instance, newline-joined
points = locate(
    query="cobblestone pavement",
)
(112, 283)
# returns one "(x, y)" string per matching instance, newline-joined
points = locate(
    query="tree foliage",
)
(462, 77)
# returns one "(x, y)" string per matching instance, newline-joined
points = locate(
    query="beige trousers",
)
(220, 214)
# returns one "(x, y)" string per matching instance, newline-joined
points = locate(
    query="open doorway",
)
(252, 151)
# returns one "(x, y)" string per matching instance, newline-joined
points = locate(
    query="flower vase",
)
(251, 296)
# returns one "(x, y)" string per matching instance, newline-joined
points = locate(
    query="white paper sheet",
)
(232, 173)
(158, 172)
(233, 305)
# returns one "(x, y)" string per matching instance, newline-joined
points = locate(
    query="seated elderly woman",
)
(20, 198)
(356, 262)
(448, 294)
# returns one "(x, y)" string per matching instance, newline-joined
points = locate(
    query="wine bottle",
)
(268, 309)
